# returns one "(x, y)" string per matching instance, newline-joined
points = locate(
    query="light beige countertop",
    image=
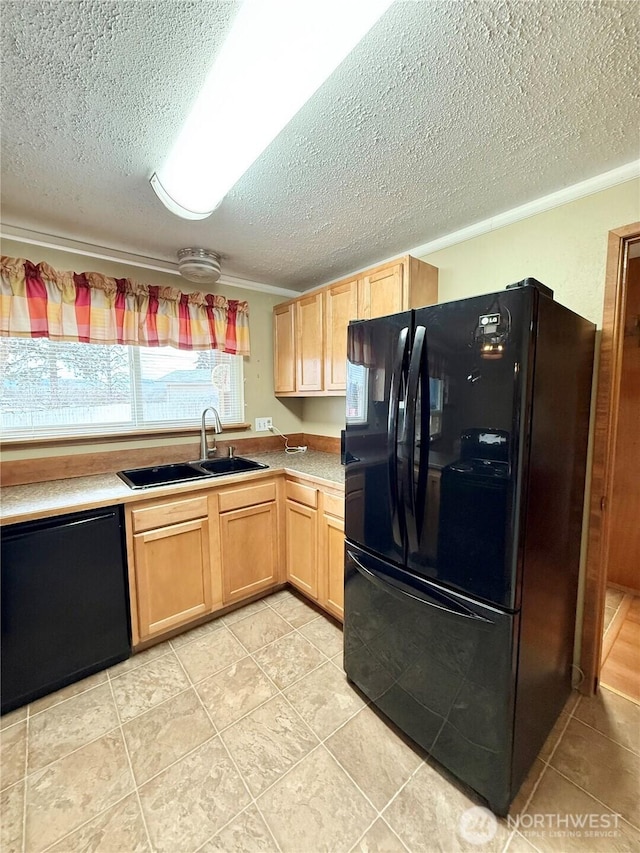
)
(54, 497)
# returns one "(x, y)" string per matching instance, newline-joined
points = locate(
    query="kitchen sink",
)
(230, 465)
(183, 472)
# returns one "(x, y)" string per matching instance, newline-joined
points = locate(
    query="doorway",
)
(611, 633)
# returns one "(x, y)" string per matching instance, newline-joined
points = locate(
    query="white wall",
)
(258, 367)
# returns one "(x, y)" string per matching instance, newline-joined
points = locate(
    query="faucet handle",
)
(231, 450)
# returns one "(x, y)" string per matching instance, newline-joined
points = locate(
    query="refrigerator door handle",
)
(416, 496)
(392, 432)
(401, 590)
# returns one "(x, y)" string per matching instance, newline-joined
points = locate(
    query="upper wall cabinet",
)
(310, 333)
(284, 343)
(309, 340)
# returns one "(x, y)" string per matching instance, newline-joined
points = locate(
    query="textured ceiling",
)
(447, 113)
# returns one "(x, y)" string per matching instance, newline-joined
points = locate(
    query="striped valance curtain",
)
(37, 301)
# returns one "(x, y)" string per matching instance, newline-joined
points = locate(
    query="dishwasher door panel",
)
(65, 611)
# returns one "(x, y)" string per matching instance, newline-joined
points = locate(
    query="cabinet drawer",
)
(168, 513)
(333, 505)
(259, 493)
(302, 494)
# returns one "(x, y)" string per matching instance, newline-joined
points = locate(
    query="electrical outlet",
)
(263, 424)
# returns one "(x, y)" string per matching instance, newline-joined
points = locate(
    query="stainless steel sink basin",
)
(182, 472)
(230, 465)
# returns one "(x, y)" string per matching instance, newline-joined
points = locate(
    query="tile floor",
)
(243, 735)
(621, 644)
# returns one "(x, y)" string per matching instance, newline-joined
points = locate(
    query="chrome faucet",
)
(217, 429)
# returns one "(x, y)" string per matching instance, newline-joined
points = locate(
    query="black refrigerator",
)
(465, 453)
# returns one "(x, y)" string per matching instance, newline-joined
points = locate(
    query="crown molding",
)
(50, 241)
(577, 191)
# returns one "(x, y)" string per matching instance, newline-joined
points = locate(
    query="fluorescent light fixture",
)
(278, 53)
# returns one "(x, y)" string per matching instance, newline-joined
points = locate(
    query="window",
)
(52, 388)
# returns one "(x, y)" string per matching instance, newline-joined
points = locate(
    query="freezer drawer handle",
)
(397, 588)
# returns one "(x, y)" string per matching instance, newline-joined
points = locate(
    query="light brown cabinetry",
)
(190, 556)
(340, 306)
(284, 348)
(172, 565)
(309, 341)
(315, 544)
(318, 359)
(249, 540)
(301, 530)
(331, 554)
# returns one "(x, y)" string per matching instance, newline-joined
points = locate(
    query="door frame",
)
(604, 447)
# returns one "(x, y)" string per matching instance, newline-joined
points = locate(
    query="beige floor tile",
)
(605, 769)
(557, 802)
(609, 613)
(268, 742)
(614, 716)
(75, 789)
(118, 830)
(379, 839)
(210, 654)
(288, 659)
(143, 688)
(13, 717)
(374, 756)
(260, 628)
(243, 612)
(246, 833)
(196, 633)
(67, 692)
(324, 699)
(190, 801)
(13, 748)
(316, 807)
(140, 658)
(431, 807)
(235, 691)
(519, 844)
(324, 634)
(165, 733)
(69, 725)
(295, 611)
(11, 813)
(613, 597)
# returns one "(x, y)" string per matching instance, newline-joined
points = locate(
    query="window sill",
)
(110, 437)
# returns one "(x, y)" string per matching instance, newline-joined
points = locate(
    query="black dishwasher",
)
(64, 604)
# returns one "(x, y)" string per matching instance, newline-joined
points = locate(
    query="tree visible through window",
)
(58, 388)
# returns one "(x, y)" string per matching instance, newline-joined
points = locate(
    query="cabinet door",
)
(249, 550)
(309, 334)
(340, 306)
(332, 547)
(383, 292)
(173, 576)
(302, 553)
(284, 355)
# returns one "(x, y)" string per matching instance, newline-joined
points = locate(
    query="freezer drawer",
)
(439, 665)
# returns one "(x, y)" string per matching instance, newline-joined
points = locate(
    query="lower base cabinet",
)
(249, 541)
(331, 554)
(172, 566)
(190, 556)
(315, 544)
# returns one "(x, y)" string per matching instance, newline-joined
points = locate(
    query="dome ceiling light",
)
(199, 265)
